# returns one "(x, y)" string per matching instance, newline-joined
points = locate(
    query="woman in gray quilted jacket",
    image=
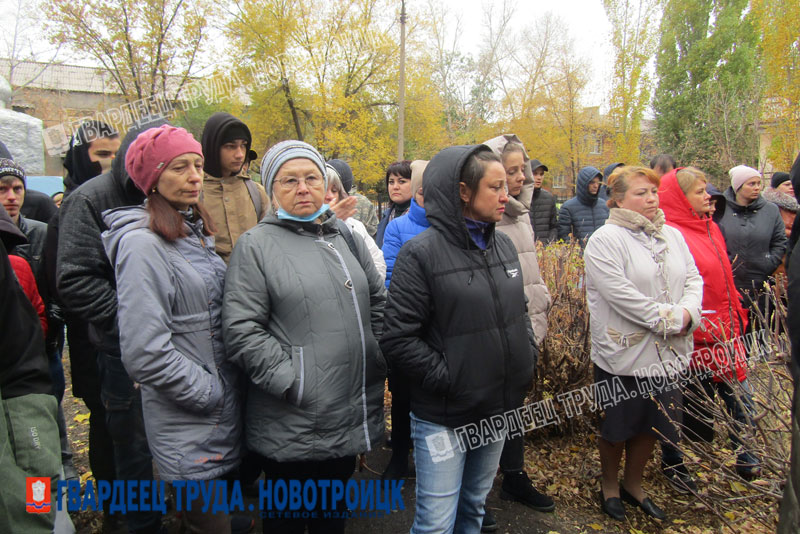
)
(302, 312)
(169, 288)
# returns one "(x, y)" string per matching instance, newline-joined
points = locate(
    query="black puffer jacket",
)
(756, 240)
(544, 216)
(456, 321)
(86, 282)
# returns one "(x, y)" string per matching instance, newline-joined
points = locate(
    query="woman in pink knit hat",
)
(169, 290)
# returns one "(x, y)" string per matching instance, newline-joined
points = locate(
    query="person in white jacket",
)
(333, 196)
(644, 295)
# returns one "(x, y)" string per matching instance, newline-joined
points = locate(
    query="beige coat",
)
(229, 203)
(516, 224)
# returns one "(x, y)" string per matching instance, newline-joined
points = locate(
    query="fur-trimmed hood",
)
(781, 199)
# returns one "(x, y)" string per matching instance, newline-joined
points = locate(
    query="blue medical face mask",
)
(285, 215)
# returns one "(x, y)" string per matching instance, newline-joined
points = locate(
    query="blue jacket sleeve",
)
(392, 241)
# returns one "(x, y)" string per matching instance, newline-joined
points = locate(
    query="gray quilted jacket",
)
(301, 316)
(169, 315)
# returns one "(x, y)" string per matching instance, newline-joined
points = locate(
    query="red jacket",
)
(28, 284)
(724, 319)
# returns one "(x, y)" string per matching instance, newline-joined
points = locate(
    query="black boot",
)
(398, 466)
(489, 523)
(518, 487)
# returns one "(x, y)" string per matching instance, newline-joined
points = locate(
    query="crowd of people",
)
(222, 328)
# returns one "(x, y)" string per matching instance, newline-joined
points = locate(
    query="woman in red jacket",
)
(719, 358)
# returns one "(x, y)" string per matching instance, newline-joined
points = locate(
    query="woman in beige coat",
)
(516, 224)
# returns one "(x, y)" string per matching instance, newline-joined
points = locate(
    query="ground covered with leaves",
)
(566, 467)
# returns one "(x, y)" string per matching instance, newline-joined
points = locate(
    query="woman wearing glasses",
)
(302, 310)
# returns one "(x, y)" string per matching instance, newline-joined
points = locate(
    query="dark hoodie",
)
(719, 202)
(602, 193)
(23, 363)
(456, 322)
(582, 214)
(80, 168)
(756, 240)
(215, 134)
(82, 355)
(86, 282)
(610, 169)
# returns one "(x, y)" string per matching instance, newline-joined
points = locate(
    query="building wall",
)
(61, 107)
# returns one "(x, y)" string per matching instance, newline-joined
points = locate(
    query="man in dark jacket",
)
(585, 212)
(92, 149)
(87, 287)
(38, 206)
(28, 432)
(13, 194)
(544, 216)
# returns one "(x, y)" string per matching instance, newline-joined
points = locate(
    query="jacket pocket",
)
(295, 394)
(625, 340)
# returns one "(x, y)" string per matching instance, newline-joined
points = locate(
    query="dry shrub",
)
(741, 505)
(767, 435)
(564, 359)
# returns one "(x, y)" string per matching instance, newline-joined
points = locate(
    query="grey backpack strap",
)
(255, 196)
(348, 236)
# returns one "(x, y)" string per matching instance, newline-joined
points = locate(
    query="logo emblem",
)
(439, 446)
(37, 495)
(513, 273)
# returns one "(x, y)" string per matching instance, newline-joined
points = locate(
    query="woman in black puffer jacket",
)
(456, 325)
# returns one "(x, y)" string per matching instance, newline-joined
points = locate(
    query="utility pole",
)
(401, 111)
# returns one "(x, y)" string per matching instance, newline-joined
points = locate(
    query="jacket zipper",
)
(500, 325)
(352, 290)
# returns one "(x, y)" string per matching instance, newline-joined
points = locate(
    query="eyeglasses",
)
(290, 183)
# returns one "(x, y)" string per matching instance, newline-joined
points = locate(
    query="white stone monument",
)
(21, 133)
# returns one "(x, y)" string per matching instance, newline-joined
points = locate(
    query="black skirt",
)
(637, 406)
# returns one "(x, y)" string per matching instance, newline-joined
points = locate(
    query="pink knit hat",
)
(740, 174)
(153, 149)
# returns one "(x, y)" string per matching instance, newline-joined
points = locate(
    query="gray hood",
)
(120, 221)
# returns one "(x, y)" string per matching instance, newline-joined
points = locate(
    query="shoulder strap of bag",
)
(348, 236)
(255, 196)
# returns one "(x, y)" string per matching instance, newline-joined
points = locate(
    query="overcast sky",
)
(586, 22)
(585, 19)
